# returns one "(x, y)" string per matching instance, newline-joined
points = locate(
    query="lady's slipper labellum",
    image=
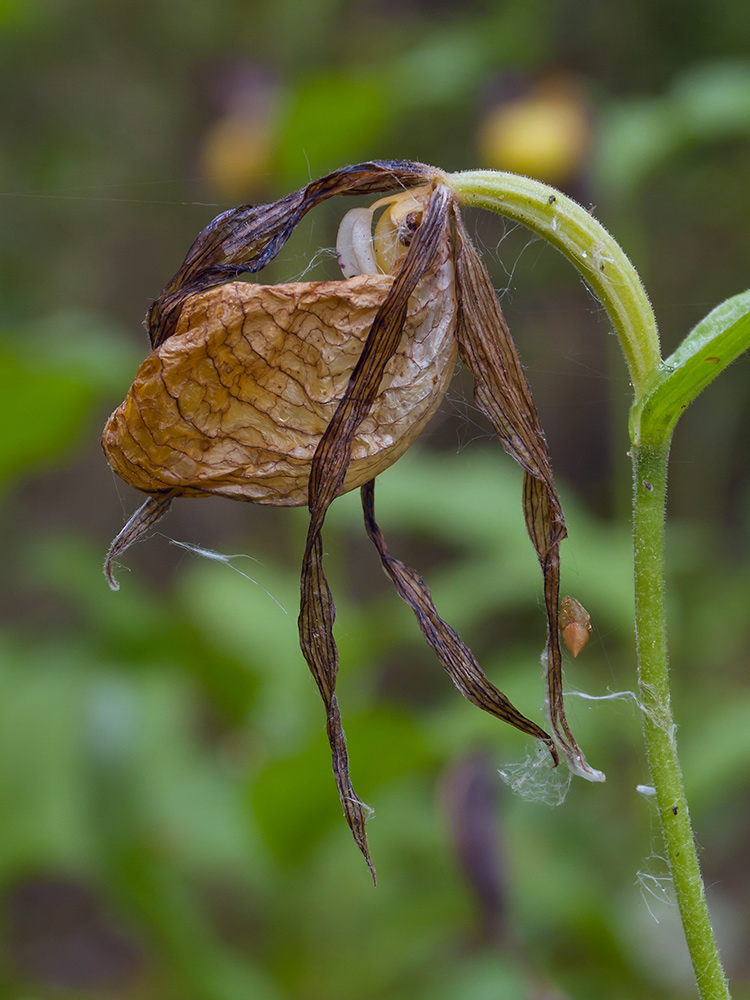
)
(237, 400)
(294, 394)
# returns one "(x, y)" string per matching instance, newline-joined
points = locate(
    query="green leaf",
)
(40, 413)
(708, 349)
(708, 103)
(331, 119)
(53, 372)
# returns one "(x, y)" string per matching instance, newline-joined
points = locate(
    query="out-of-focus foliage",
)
(170, 827)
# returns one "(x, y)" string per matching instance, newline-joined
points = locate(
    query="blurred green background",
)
(170, 828)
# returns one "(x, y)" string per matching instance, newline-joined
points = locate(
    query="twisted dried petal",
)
(245, 239)
(145, 518)
(457, 659)
(431, 244)
(502, 393)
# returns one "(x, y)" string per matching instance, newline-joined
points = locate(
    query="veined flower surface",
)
(295, 393)
(236, 400)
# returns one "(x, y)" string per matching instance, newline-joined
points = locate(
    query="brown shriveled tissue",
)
(293, 394)
(235, 402)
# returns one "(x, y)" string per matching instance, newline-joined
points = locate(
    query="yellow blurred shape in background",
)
(236, 154)
(544, 133)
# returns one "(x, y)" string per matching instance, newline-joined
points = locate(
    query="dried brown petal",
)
(245, 239)
(332, 456)
(144, 518)
(502, 393)
(455, 656)
(575, 624)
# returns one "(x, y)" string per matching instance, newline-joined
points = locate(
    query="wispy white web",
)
(198, 550)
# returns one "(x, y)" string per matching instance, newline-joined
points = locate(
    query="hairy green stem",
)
(598, 257)
(587, 244)
(650, 495)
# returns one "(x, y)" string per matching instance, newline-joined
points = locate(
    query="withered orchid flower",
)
(293, 394)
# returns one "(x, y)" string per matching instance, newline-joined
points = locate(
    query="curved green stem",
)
(585, 242)
(598, 257)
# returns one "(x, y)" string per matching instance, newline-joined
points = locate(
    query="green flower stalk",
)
(662, 390)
